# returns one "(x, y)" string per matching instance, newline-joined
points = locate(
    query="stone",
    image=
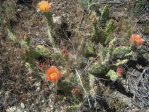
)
(22, 105)
(57, 20)
(11, 109)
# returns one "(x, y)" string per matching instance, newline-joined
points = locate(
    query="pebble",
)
(11, 109)
(14, 109)
(19, 110)
(42, 101)
(22, 105)
(38, 89)
(37, 84)
(57, 20)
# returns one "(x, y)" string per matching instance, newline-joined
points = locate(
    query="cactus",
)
(111, 56)
(104, 16)
(112, 75)
(109, 26)
(120, 54)
(43, 51)
(98, 36)
(59, 59)
(121, 62)
(50, 30)
(88, 49)
(121, 51)
(103, 28)
(99, 69)
(49, 19)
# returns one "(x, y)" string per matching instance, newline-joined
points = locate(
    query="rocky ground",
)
(24, 91)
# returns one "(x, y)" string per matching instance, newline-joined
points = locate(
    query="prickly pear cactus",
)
(104, 16)
(121, 51)
(110, 55)
(110, 26)
(43, 51)
(108, 31)
(99, 69)
(112, 75)
(103, 28)
(99, 36)
(88, 49)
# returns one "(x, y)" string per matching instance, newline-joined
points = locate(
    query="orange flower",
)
(53, 75)
(136, 40)
(44, 6)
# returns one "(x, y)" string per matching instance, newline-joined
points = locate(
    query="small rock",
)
(38, 88)
(19, 110)
(37, 84)
(42, 101)
(11, 109)
(57, 20)
(147, 110)
(22, 105)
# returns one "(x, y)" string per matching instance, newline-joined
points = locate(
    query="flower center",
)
(52, 75)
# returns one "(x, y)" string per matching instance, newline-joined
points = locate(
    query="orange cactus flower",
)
(53, 75)
(44, 6)
(136, 40)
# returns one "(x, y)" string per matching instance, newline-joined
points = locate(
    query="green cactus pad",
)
(99, 36)
(121, 62)
(43, 51)
(120, 52)
(104, 15)
(99, 69)
(112, 75)
(88, 49)
(110, 26)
